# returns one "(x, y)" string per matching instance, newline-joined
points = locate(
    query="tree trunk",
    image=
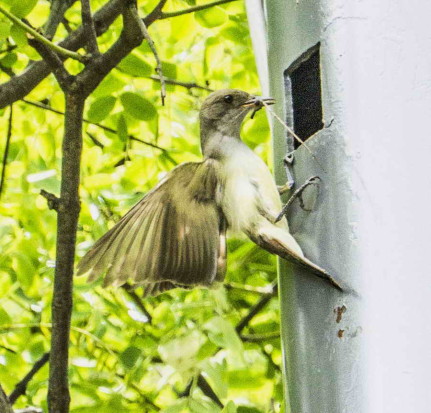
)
(68, 214)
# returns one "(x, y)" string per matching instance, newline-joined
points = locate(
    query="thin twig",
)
(41, 38)
(147, 37)
(63, 77)
(187, 85)
(256, 309)
(89, 28)
(22, 84)
(21, 387)
(95, 140)
(255, 338)
(105, 128)
(6, 150)
(137, 300)
(53, 201)
(206, 389)
(267, 354)
(155, 13)
(193, 9)
(56, 14)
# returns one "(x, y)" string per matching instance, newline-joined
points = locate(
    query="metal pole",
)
(370, 225)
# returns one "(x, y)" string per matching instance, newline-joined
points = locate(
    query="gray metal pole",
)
(370, 225)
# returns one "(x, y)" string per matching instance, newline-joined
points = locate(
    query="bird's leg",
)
(288, 162)
(314, 180)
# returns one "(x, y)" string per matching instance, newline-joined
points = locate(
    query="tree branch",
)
(5, 406)
(255, 338)
(206, 389)
(141, 24)
(256, 309)
(106, 128)
(21, 387)
(58, 8)
(137, 300)
(53, 201)
(40, 37)
(168, 15)
(67, 224)
(155, 13)
(187, 85)
(88, 26)
(21, 85)
(64, 78)
(6, 150)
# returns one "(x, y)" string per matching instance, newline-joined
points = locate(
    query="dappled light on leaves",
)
(168, 353)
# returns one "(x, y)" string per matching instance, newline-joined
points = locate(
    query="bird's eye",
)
(228, 98)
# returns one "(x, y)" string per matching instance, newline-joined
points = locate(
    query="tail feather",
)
(276, 246)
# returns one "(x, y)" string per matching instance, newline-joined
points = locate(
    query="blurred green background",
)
(131, 354)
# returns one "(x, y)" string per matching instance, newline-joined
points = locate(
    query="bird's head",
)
(222, 114)
(225, 109)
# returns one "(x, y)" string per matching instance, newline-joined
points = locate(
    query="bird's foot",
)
(314, 180)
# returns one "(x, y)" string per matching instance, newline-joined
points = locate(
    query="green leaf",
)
(122, 130)
(99, 180)
(24, 269)
(216, 371)
(130, 356)
(248, 409)
(4, 29)
(180, 406)
(4, 317)
(202, 406)
(181, 352)
(222, 333)
(20, 8)
(169, 70)
(101, 108)
(19, 36)
(137, 106)
(212, 17)
(9, 60)
(229, 407)
(135, 66)
(108, 86)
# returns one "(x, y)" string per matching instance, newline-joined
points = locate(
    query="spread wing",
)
(175, 236)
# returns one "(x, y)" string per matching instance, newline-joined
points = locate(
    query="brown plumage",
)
(176, 235)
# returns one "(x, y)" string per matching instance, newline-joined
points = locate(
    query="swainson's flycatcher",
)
(176, 235)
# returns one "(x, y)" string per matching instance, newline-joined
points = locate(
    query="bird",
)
(175, 236)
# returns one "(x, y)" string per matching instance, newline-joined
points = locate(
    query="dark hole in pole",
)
(303, 89)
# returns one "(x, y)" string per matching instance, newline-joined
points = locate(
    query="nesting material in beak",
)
(257, 103)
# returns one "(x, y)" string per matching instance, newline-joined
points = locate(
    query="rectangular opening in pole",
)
(304, 95)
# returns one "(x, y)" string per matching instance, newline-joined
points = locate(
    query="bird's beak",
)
(257, 102)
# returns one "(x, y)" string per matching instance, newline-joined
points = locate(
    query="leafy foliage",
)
(128, 353)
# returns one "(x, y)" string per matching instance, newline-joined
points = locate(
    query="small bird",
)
(176, 235)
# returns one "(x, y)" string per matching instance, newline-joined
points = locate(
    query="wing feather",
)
(172, 237)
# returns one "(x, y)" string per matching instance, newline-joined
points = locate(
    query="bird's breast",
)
(247, 180)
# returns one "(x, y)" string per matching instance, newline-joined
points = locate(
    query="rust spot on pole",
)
(339, 311)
